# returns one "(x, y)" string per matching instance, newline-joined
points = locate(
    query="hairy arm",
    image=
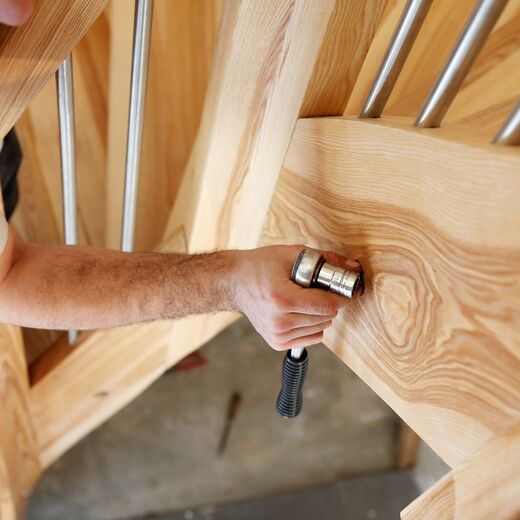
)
(74, 287)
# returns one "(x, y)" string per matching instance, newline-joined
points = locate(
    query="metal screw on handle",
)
(310, 270)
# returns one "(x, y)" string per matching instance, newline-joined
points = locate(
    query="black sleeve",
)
(10, 159)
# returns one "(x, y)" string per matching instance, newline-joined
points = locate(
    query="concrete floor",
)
(159, 453)
(377, 496)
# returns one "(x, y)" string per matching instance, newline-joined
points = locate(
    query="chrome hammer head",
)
(311, 270)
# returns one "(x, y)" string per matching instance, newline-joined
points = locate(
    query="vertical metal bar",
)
(402, 41)
(68, 156)
(510, 132)
(140, 53)
(471, 40)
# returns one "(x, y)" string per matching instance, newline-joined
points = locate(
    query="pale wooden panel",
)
(31, 53)
(183, 38)
(492, 82)
(485, 487)
(76, 391)
(346, 43)
(374, 56)
(406, 446)
(39, 216)
(433, 217)
(121, 16)
(264, 59)
(99, 376)
(19, 454)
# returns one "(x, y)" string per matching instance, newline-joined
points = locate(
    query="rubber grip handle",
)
(290, 400)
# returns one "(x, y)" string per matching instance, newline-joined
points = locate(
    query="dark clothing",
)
(10, 159)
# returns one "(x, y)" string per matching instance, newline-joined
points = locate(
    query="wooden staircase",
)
(278, 155)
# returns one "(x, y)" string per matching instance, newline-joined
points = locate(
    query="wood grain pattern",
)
(39, 217)
(493, 82)
(105, 372)
(482, 96)
(19, 454)
(182, 43)
(343, 51)
(484, 487)
(30, 54)
(406, 446)
(436, 333)
(121, 16)
(264, 59)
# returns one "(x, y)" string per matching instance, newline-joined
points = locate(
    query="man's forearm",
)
(64, 287)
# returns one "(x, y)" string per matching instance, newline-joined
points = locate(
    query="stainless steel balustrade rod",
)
(398, 50)
(510, 132)
(140, 54)
(68, 157)
(471, 40)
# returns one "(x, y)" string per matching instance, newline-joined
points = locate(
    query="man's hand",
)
(284, 313)
(75, 287)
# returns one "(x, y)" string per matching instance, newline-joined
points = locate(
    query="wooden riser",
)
(433, 215)
(435, 224)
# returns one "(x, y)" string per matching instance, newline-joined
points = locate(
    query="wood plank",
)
(436, 333)
(20, 464)
(121, 16)
(347, 40)
(19, 454)
(264, 60)
(481, 98)
(182, 43)
(105, 372)
(429, 52)
(481, 95)
(484, 487)
(406, 446)
(30, 54)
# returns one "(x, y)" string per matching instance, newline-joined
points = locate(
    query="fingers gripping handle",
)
(290, 400)
(310, 270)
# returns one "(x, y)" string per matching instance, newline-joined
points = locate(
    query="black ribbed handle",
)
(290, 400)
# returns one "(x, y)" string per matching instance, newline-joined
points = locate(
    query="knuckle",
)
(279, 301)
(280, 324)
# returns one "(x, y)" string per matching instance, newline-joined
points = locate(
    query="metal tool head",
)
(311, 270)
(306, 268)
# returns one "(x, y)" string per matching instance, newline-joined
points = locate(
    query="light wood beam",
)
(264, 60)
(31, 53)
(406, 446)
(20, 464)
(488, 91)
(484, 487)
(75, 393)
(347, 40)
(433, 217)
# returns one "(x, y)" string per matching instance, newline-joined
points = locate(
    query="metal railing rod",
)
(140, 54)
(466, 50)
(398, 50)
(510, 132)
(65, 94)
